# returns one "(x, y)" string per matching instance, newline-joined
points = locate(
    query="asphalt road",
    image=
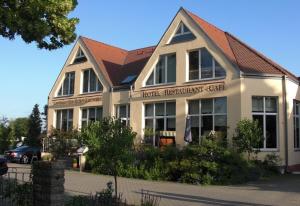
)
(282, 190)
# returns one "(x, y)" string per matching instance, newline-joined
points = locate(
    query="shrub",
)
(63, 143)
(249, 137)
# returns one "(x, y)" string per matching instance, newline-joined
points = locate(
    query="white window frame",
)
(181, 27)
(213, 114)
(154, 117)
(296, 116)
(68, 118)
(81, 54)
(127, 118)
(165, 56)
(200, 68)
(98, 86)
(67, 75)
(88, 114)
(264, 114)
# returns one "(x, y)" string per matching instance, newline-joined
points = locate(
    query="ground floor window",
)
(265, 111)
(208, 115)
(297, 124)
(64, 119)
(90, 114)
(123, 113)
(159, 117)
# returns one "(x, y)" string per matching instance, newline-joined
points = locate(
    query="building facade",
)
(197, 71)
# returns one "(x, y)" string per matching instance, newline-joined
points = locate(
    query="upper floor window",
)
(297, 124)
(265, 111)
(80, 57)
(164, 71)
(90, 114)
(64, 119)
(91, 82)
(67, 87)
(123, 113)
(202, 65)
(182, 34)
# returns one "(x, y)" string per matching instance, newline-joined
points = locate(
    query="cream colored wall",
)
(78, 69)
(232, 81)
(273, 87)
(293, 93)
(264, 87)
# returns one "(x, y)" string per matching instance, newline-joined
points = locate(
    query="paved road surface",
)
(281, 191)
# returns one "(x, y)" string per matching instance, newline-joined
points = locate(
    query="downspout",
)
(284, 104)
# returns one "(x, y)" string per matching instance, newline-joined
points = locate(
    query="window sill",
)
(268, 150)
(159, 85)
(296, 149)
(64, 96)
(91, 93)
(204, 80)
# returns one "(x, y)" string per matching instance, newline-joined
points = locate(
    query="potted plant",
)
(75, 163)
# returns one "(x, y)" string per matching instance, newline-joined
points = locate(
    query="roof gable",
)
(247, 59)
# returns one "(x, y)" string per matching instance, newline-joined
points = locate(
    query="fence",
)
(16, 187)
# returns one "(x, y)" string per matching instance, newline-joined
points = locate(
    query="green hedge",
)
(209, 163)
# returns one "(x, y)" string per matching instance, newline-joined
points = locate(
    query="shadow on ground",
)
(279, 183)
(199, 199)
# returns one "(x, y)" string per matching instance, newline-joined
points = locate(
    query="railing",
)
(16, 187)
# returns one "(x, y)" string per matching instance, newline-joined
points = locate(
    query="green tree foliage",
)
(44, 22)
(4, 135)
(35, 127)
(110, 144)
(63, 143)
(19, 128)
(249, 137)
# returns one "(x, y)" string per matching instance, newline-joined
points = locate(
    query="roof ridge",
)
(105, 44)
(142, 48)
(210, 24)
(263, 57)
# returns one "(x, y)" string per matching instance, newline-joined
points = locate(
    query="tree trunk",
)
(116, 186)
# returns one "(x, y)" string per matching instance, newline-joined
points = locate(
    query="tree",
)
(19, 128)
(35, 127)
(44, 22)
(4, 135)
(249, 137)
(110, 143)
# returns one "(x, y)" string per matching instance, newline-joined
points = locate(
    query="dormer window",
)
(164, 71)
(80, 57)
(91, 82)
(183, 33)
(67, 87)
(202, 65)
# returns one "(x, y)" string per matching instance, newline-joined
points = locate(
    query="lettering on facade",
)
(185, 90)
(75, 102)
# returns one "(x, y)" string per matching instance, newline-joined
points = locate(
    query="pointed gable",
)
(182, 34)
(80, 57)
(247, 59)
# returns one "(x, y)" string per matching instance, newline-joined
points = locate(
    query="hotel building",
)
(196, 70)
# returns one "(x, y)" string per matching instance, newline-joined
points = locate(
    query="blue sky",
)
(28, 73)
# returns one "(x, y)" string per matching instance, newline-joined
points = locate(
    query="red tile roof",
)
(246, 58)
(116, 63)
